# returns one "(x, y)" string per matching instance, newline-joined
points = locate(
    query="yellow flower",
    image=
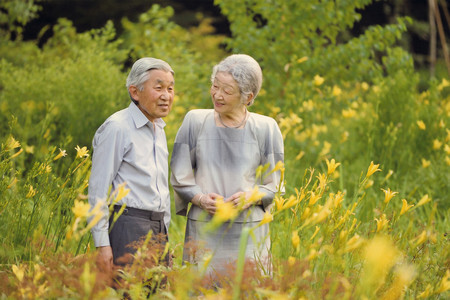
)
(436, 144)
(279, 166)
(313, 199)
(120, 193)
(348, 113)
(318, 80)
(62, 153)
(388, 175)
(31, 192)
(404, 275)
(420, 239)
(303, 59)
(405, 207)
(279, 202)
(82, 152)
(225, 211)
(19, 271)
(13, 183)
(312, 254)
(427, 293)
(267, 218)
(425, 199)
(443, 84)
(380, 255)
(447, 160)
(372, 169)
(291, 260)
(364, 86)
(300, 155)
(381, 223)
(17, 153)
(444, 285)
(421, 125)
(332, 165)
(353, 243)
(295, 239)
(80, 209)
(336, 91)
(425, 163)
(290, 202)
(369, 184)
(315, 233)
(447, 149)
(11, 143)
(388, 195)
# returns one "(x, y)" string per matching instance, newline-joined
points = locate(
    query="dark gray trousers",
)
(131, 227)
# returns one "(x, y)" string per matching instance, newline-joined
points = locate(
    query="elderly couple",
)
(215, 155)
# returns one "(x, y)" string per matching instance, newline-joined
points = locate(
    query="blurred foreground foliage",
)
(343, 229)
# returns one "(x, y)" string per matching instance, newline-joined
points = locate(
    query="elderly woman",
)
(216, 154)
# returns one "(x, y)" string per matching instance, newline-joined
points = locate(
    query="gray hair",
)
(245, 70)
(139, 73)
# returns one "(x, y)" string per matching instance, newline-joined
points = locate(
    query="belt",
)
(140, 213)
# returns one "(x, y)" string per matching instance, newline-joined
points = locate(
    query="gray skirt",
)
(222, 245)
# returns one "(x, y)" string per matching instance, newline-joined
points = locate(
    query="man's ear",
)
(133, 90)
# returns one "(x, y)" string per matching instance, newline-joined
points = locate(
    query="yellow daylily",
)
(19, 271)
(318, 80)
(82, 152)
(11, 143)
(332, 165)
(303, 59)
(405, 207)
(381, 223)
(267, 218)
(225, 211)
(421, 125)
(437, 144)
(336, 91)
(62, 153)
(444, 285)
(420, 239)
(80, 209)
(425, 163)
(388, 195)
(425, 199)
(31, 192)
(372, 169)
(295, 239)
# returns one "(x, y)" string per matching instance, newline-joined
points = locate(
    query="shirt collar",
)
(141, 120)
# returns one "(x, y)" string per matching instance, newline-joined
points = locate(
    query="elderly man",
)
(130, 148)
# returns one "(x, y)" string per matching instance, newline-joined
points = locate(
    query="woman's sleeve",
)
(273, 152)
(182, 164)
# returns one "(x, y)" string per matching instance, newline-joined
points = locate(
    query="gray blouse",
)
(211, 159)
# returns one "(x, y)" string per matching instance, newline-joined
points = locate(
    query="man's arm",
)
(108, 147)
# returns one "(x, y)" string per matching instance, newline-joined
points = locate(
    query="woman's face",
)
(225, 94)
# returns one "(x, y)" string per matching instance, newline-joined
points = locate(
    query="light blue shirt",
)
(130, 149)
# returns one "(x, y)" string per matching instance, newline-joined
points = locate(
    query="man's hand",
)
(105, 259)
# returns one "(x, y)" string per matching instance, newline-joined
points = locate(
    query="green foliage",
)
(354, 99)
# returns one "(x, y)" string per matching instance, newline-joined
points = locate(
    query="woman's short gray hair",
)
(245, 70)
(139, 71)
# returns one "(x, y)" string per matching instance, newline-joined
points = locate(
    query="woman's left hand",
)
(237, 199)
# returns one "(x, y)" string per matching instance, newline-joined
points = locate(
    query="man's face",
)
(156, 98)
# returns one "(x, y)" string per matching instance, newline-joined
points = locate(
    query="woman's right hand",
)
(207, 202)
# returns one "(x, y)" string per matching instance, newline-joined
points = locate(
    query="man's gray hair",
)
(139, 71)
(245, 70)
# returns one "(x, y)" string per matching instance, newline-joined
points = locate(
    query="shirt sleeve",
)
(182, 164)
(273, 152)
(108, 151)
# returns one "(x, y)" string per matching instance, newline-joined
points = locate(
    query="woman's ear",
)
(134, 92)
(249, 98)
